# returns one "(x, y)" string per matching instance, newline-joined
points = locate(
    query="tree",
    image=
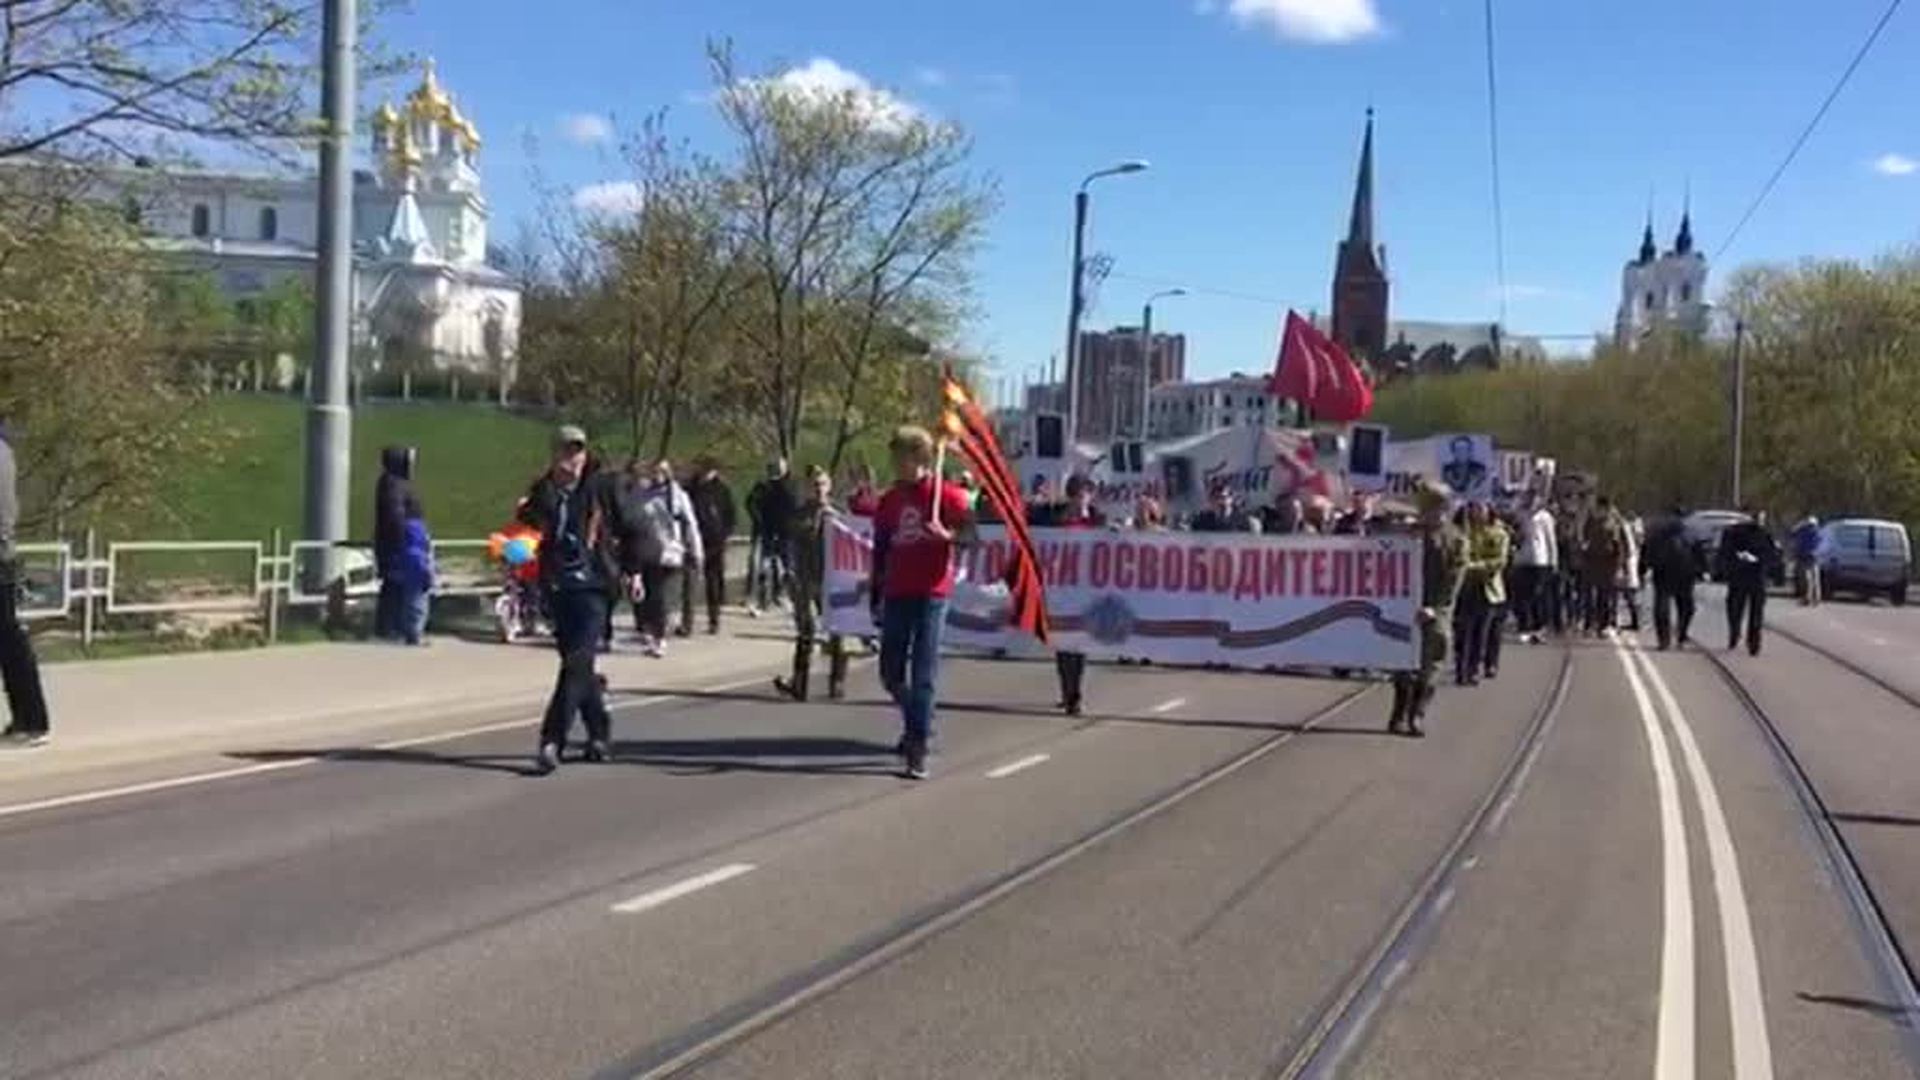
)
(856, 218)
(91, 77)
(91, 397)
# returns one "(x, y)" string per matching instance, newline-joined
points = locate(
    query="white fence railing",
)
(73, 581)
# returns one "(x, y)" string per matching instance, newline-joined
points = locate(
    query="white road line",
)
(1022, 765)
(1674, 1042)
(1169, 705)
(1752, 1050)
(647, 901)
(81, 798)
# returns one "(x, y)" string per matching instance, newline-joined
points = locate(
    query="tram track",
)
(1341, 1025)
(1892, 963)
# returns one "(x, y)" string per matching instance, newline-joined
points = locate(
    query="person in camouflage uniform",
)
(808, 554)
(1443, 560)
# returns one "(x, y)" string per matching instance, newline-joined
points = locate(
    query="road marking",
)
(1674, 1043)
(1169, 705)
(81, 798)
(1752, 1050)
(647, 901)
(1022, 765)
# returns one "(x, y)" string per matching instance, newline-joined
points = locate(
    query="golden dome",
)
(385, 118)
(428, 101)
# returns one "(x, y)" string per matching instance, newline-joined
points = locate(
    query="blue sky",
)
(1251, 113)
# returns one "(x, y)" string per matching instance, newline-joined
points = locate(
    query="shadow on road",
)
(1874, 819)
(821, 755)
(511, 764)
(1859, 1004)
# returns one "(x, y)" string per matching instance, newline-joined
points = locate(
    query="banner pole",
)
(939, 477)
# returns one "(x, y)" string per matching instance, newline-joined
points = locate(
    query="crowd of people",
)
(1531, 569)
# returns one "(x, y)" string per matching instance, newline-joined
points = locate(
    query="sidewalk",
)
(119, 712)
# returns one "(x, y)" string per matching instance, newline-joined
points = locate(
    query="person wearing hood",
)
(713, 508)
(394, 504)
(27, 724)
(662, 538)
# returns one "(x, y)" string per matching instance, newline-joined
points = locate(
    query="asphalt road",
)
(1595, 866)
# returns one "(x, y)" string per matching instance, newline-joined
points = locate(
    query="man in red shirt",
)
(1078, 512)
(912, 578)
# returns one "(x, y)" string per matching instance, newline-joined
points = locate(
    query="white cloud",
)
(930, 76)
(609, 197)
(586, 128)
(822, 80)
(1895, 165)
(1322, 22)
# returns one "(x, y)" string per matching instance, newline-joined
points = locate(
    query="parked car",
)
(1865, 556)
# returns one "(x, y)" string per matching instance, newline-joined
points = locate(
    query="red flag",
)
(973, 436)
(1315, 371)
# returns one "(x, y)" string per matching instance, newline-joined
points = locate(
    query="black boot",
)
(836, 669)
(796, 686)
(1422, 697)
(1402, 701)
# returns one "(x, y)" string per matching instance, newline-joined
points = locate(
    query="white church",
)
(425, 299)
(1663, 291)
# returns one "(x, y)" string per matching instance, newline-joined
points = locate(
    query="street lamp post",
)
(329, 414)
(1076, 297)
(1146, 355)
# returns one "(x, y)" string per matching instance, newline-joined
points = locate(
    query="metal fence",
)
(75, 582)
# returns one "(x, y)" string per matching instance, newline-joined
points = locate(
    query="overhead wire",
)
(1807, 132)
(1493, 150)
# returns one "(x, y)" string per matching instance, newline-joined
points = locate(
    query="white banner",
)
(1178, 598)
(1465, 463)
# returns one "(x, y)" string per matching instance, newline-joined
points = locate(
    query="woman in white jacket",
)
(1628, 579)
(663, 537)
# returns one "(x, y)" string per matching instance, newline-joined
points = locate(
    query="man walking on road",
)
(1807, 542)
(1535, 559)
(1077, 513)
(810, 526)
(1674, 566)
(713, 508)
(1747, 554)
(26, 701)
(1443, 560)
(919, 522)
(576, 507)
(770, 507)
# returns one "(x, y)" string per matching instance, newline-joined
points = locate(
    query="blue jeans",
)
(579, 616)
(910, 660)
(411, 616)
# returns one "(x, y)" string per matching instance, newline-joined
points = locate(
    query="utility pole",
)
(329, 415)
(1739, 424)
(1076, 304)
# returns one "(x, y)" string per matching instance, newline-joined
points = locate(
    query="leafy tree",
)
(106, 77)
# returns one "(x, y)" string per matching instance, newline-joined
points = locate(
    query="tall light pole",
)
(329, 416)
(1146, 355)
(1738, 434)
(1076, 301)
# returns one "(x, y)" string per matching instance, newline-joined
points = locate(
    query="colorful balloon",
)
(518, 551)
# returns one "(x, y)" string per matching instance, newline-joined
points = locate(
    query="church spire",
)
(1683, 243)
(1647, 250)
(1360, 227)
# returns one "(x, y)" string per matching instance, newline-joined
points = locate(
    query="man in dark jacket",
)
(1747, 556)
(1078, 512)
(770, 506)
(576, 507)
(713, 509)
(26, 701)
(1222, 514)
(1675, 567)
(393, 503)
(810, 527)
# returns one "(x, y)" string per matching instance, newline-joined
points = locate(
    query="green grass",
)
(474, 461)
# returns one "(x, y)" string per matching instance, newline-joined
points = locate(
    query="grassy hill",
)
(474, 461)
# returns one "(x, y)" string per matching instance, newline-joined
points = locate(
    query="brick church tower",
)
(1359, 276)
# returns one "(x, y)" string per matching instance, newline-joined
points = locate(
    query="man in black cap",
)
(576, 507)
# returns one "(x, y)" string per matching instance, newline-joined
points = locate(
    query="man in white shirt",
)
(1534, 559)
